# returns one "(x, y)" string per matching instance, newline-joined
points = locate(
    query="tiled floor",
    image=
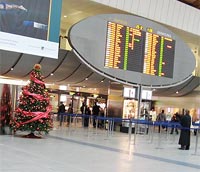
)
(91, 150)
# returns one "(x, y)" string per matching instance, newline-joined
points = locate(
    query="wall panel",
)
(164, 12)
(170, 12)
(143, 9)
(181, 16)
(134, 7)
(127, 5)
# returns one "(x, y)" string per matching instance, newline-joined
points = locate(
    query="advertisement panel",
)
(26, 26)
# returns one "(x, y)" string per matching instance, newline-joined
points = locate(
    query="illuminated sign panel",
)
(129, 92)
(146, 94)
(30, 26)
(136, 50)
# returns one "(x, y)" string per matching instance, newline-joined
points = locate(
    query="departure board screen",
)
(133, 49)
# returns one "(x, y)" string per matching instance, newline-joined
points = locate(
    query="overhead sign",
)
(132, 50)
(146, 94)
(129, 92)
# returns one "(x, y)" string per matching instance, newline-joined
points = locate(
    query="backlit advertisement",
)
(30, 26)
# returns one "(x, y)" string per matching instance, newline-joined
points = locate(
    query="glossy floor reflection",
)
(91, 150)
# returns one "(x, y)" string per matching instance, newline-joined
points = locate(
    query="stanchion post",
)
(174, 126)
(70, 120)
(83, 119)
(75, 120)
(146, 127)
(159, 136)
(110, 127)
(167, 129)
(130, 130)
(152, 131)
(113, 124)
(88, 127)
(106, 127)
(135, 132)
(96, 124)
(196, 143)
(149, 131)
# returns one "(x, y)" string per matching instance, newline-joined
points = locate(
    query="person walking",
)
(69, 116)
(61, 110)
(175, 119)
(184, 139)
(161, 118)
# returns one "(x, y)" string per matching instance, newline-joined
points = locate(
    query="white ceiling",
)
(76, 10)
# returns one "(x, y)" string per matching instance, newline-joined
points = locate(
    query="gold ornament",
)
(37, 67)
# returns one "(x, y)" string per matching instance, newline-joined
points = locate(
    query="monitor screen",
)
(133, 49)
(146, 94)
(129, 92)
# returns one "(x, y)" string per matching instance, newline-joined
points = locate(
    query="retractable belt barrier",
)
(111, 122)
(136, 121)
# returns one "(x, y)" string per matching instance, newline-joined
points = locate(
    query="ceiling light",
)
(65, 16)
(62, 87)
(176, 92)
(86, 79)
(12, 82)
(11, 68)
(51, 74)
(102, 81)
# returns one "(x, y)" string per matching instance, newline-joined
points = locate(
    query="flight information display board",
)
(137, 50)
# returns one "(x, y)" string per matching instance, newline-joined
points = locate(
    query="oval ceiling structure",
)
(132, 50)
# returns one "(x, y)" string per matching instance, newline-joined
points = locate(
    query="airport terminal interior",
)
(99, 85)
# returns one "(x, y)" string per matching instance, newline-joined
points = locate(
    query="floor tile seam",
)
(175, 162)
(43, 157)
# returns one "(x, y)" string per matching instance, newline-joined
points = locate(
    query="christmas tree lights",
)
(33, 111)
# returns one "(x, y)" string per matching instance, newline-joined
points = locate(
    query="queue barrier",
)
(167, 124)
(136, 122)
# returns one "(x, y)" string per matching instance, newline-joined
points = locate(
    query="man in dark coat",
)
(95, 111)
(184, 139)
(61, 110)
(85, 110)
(175, 119)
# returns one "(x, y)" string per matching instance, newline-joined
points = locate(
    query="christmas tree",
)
(33, 111)
(5, 108)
